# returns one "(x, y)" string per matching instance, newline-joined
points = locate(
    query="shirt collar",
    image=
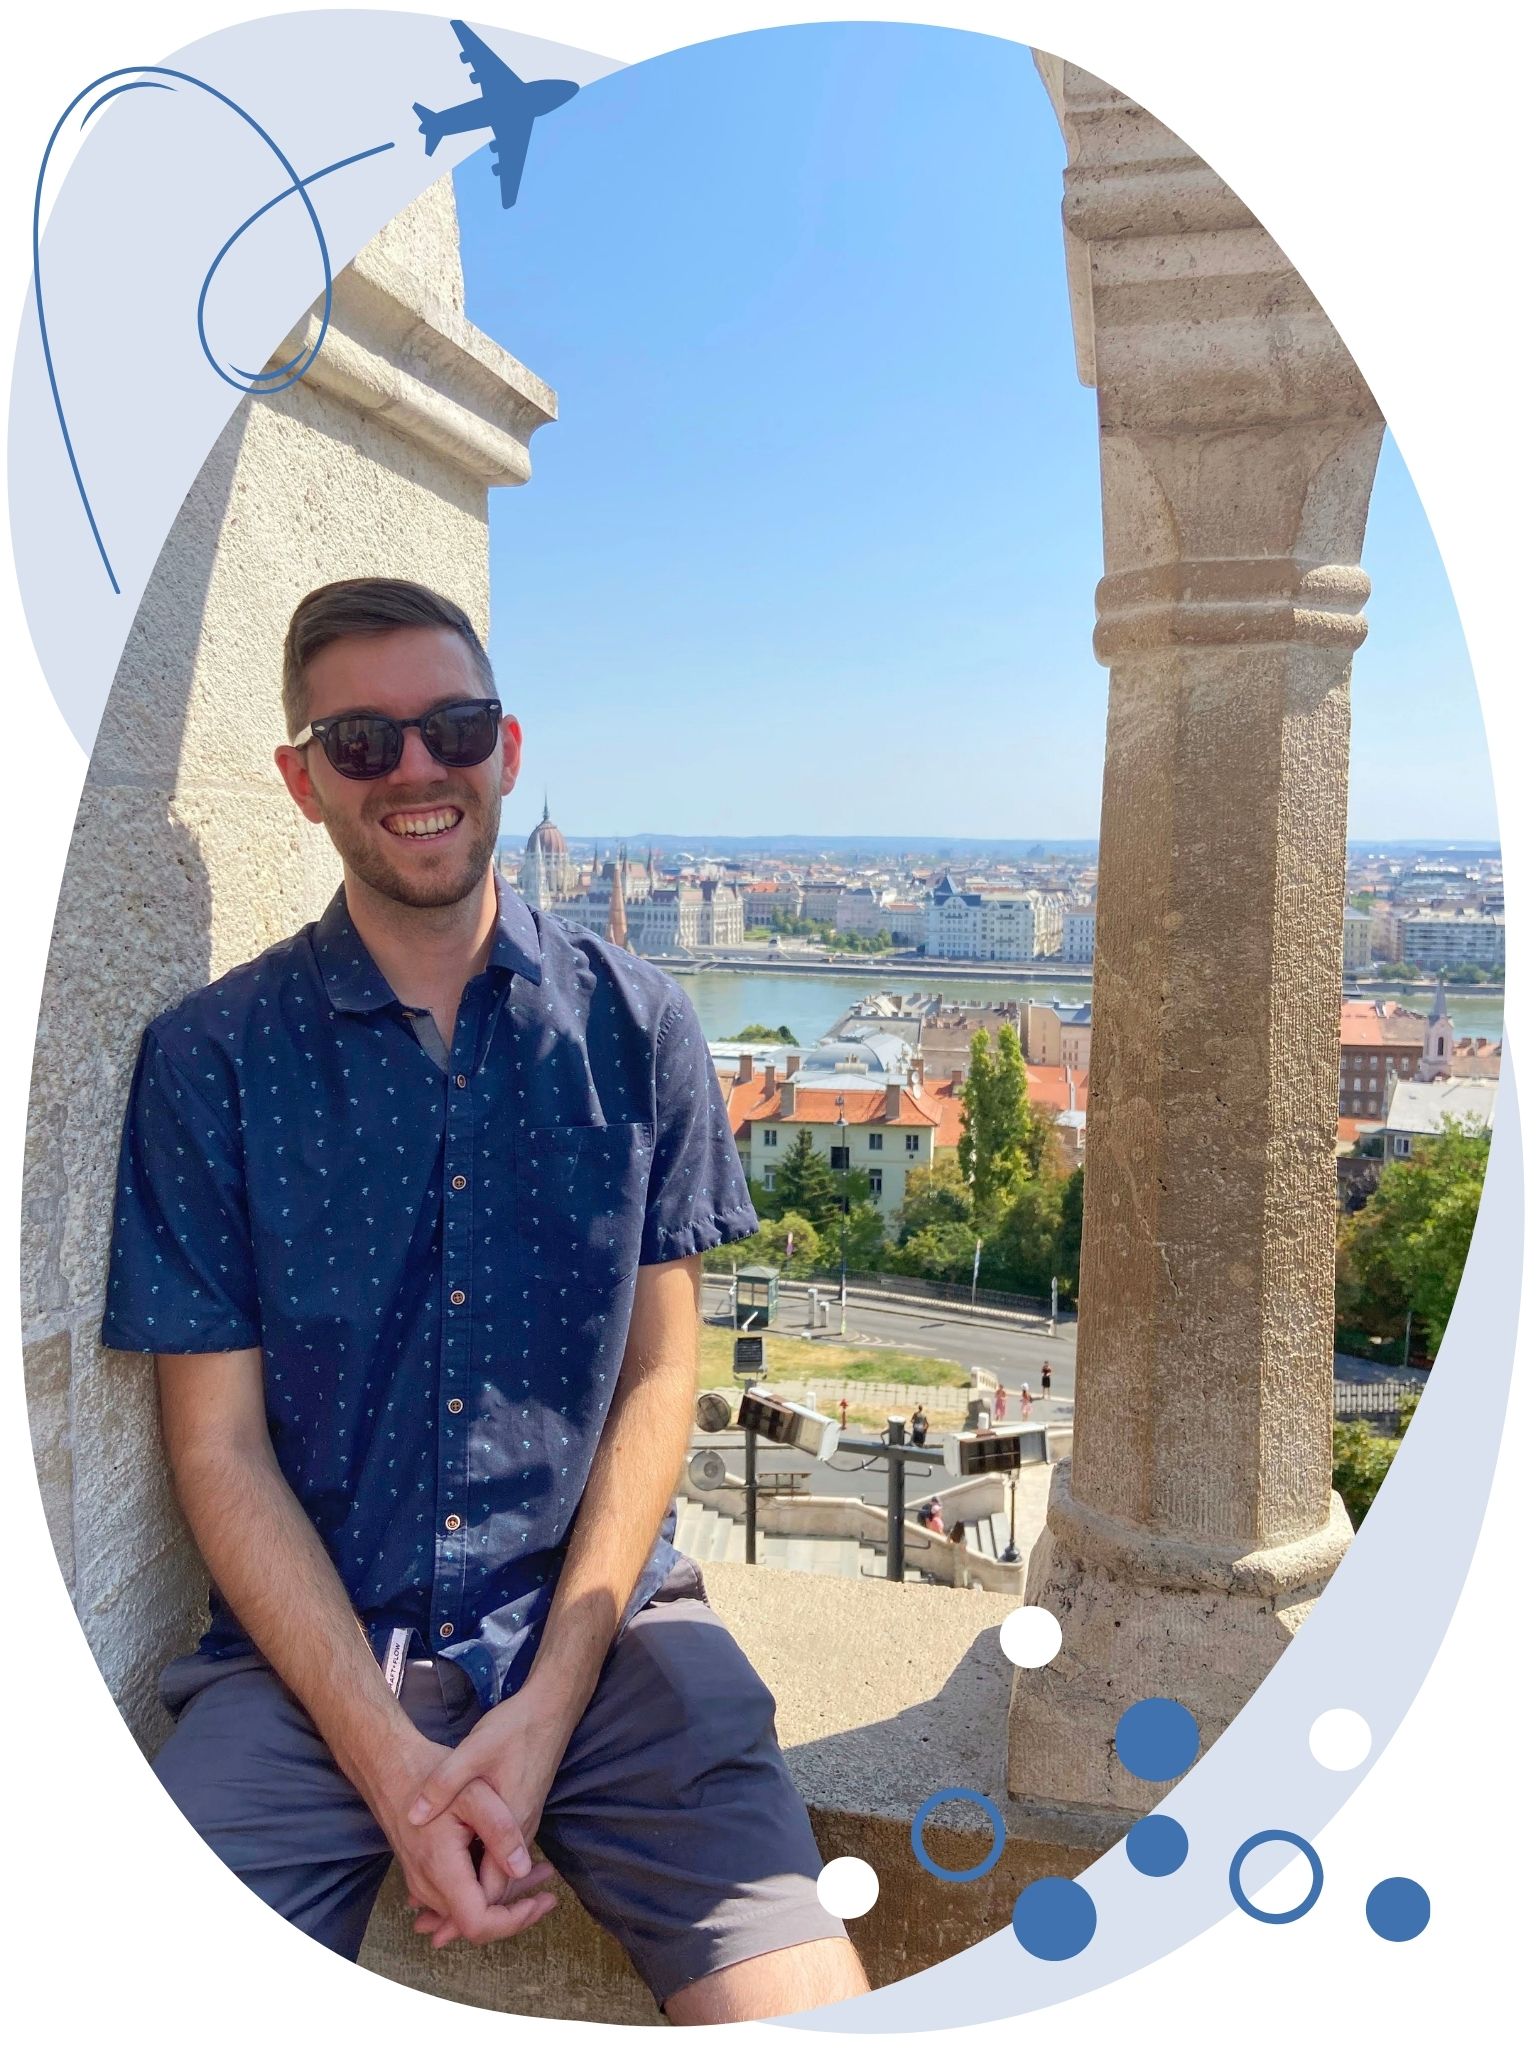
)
(353, 980)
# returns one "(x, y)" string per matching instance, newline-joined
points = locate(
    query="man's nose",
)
(416, 762)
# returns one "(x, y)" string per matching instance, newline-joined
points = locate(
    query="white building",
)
(1449, 938)
(861, 911)
(970, 925)
(1357, 941)
(1078, 930)
(1417, 1110)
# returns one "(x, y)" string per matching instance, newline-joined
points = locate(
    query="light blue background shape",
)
(150, 197)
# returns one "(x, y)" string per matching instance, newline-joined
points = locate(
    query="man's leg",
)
(247, 1768)
(675, 1821)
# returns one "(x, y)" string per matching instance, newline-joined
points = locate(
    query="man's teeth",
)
(421, 824)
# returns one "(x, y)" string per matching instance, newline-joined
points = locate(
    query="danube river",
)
(810, 1004)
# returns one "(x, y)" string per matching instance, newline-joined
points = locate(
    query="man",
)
(919, 1424)
(410, 1211)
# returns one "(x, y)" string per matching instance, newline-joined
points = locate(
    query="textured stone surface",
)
(1238, 445)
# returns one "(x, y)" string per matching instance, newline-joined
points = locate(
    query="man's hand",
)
(437, 1861)
(509, 1758)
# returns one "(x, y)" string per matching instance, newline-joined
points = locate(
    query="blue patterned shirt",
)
(437, 1266)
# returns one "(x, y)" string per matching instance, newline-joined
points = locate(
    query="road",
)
(1014, 1351)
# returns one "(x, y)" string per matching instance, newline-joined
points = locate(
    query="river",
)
(810, 1004)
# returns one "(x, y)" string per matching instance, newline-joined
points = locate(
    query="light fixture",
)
(970, 1453)
(712, 1412)
(786, 1422)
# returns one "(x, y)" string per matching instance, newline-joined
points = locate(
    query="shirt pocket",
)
(581, 1195)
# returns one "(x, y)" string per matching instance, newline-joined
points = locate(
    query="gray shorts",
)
(672, 1817)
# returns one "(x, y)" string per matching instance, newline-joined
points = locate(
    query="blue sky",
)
(813, 544)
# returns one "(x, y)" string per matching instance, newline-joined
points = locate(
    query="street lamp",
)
(842, 1285)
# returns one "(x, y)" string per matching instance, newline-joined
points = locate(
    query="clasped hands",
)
(439, 1802)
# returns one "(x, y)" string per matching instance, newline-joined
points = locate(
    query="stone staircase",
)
(706, 1536)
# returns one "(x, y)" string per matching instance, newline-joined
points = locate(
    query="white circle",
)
(847, 1887)
(1031, 1636)
(1340, 1739)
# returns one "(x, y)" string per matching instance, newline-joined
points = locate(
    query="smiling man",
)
(410, 1210)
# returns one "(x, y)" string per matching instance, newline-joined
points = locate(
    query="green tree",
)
(1069, 1244)
(1004, 1139)
(769, 1245)
(934, 1194)
(806, 1183)
(1362, 1458)
(1020, 1253)
(765, 1034)
(939, 1251)
(1406, 1248)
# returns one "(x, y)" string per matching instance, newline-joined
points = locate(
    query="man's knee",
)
(785, 1980)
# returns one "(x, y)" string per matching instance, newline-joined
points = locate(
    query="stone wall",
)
(188, 855)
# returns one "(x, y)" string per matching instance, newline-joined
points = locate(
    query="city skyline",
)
(824, 477)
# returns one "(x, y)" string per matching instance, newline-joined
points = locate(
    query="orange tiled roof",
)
(819, 1106)
(1350, 1127)
(1049, 1090)
(1360, 1025)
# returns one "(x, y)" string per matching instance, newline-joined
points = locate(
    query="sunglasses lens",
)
(362, 747)
(462, 735)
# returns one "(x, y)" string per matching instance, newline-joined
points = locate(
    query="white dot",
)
(847, 1887)
(1340, 1739)
(1031, 1636)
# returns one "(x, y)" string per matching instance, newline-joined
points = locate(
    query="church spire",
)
(1439, 1040)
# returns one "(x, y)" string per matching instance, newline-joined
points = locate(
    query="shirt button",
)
(446, 1629)
(459, 1181)
(455, 1406)
(461, 1080)
(452, 1522)
(457, 1297)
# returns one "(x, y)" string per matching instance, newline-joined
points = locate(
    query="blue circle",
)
(1234, 1876)
(1054, 1919)
(1157, 1739)
(1398, 1909)
(1157, 1845)
(977, 1869)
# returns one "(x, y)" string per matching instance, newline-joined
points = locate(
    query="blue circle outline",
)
(987, 1863)
(1257, 1841)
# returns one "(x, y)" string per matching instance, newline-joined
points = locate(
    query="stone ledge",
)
(439, 381)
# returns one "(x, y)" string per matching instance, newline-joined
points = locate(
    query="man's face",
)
(423, 835)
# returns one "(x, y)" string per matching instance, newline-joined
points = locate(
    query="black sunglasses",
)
(366, 744)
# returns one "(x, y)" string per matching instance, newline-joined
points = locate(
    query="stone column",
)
(1195, 1524)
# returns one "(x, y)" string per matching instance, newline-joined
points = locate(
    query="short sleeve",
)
(697, 1197)
(181, 1275)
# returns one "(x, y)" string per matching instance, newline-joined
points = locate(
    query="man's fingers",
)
(500, 1922)
(442, 1785)
(483, 1807)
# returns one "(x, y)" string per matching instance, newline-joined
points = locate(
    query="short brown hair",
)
(366, 604)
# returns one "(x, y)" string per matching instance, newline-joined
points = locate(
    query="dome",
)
(546, 837)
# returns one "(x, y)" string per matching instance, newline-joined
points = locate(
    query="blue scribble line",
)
(147, 77)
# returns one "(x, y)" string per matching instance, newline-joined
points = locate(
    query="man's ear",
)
(511, 753)
(293, 766)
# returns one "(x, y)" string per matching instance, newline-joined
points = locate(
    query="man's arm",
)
(518, 1745)
(271, 1566)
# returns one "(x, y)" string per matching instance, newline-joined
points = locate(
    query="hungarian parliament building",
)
(624, 901)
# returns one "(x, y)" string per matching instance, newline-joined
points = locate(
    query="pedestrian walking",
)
(919, 1424)
(1000, 1404)
(842, 1412)
(1045, 1377)
(1026, 1401)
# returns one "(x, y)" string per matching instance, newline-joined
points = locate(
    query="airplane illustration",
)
(507, 105)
